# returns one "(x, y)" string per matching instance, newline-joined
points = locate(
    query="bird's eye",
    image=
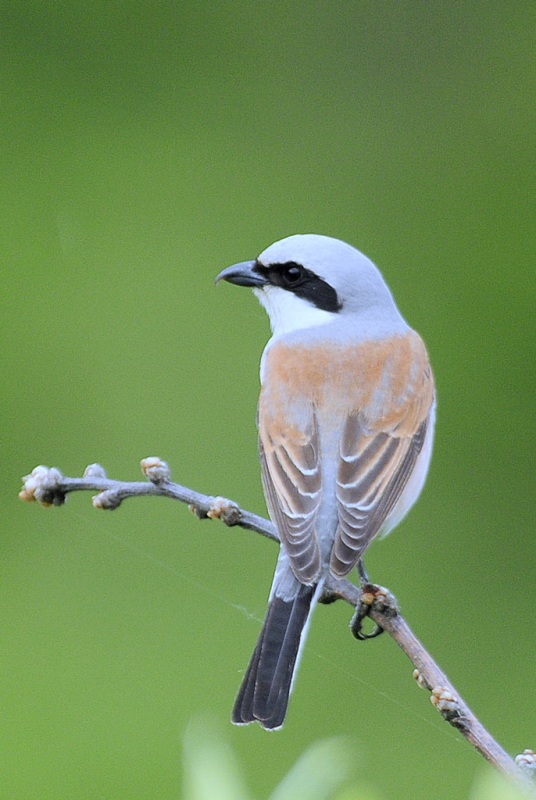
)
(291, 274)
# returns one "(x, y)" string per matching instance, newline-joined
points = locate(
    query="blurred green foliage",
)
(211, 769)
(327, 769)
(145, 147)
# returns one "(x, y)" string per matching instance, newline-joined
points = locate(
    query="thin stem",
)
(49, 487)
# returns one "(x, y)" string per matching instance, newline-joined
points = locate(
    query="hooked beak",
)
(244, 274)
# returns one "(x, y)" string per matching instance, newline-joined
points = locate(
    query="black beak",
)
(244, 274)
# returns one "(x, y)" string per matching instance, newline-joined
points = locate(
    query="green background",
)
(145, 147)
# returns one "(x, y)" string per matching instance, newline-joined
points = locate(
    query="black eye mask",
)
(302, 282)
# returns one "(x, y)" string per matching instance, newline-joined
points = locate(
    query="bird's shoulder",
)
(388, 383)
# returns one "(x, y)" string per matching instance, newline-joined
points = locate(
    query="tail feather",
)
(265, 690)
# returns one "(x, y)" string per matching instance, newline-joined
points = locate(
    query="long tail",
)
(266, 688)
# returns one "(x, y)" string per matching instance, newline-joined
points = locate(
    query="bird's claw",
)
(372, 596)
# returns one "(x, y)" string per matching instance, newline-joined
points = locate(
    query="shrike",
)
(346, 420)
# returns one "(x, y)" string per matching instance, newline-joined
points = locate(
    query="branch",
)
(49, 487)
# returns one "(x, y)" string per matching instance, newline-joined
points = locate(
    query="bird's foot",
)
(373, 597)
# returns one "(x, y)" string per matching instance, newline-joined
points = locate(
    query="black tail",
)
(265, 690)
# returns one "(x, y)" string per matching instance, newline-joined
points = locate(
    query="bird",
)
(345, 422)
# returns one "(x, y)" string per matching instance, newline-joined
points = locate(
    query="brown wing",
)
(292, 485)
(373, 473)
(379, 449)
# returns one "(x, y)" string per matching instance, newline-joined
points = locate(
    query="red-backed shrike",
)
(346, 421)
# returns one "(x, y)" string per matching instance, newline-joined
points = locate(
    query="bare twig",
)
(49, 487)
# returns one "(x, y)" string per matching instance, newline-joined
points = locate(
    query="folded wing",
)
(373, 474)
(379, 449)
(292, 485)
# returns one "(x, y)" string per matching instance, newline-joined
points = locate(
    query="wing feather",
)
(292, 485)
(369, 487)
(379, 448)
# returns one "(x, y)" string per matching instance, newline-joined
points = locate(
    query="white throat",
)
(288, 312)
